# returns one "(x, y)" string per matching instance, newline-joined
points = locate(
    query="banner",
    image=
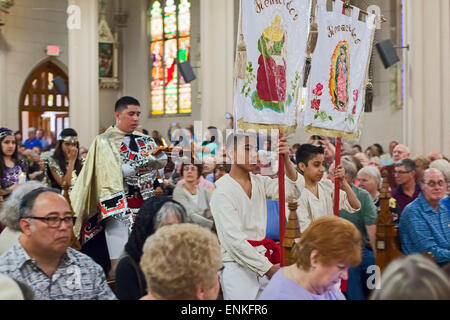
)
(271, 51)
(336, 86)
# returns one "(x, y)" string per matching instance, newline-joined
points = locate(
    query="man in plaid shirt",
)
(425, 222)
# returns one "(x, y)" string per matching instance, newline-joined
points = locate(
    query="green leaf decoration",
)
(330, 117)
(316, 116)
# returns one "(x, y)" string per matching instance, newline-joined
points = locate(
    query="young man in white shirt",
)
(238, 206)
(317, 199)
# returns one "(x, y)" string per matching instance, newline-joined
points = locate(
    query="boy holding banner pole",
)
(238, 206)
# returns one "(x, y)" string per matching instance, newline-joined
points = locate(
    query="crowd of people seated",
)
(210, 229)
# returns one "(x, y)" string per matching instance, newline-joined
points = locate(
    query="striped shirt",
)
(77, 277)
(424, 229)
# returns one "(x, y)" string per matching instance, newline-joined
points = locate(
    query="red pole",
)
(337, 183)
(281, 202)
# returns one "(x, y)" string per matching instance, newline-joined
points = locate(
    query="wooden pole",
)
(281, 202)
(337, 182)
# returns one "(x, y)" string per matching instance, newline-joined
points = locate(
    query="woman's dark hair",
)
(146, 224)
(14, 157)
(198, 165)
(380, 149)
(58, 154)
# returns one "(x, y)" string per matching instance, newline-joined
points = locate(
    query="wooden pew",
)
(75, 244)
(387, 236)
(292, 233)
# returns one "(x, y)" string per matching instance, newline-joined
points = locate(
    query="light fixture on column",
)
(387, 53)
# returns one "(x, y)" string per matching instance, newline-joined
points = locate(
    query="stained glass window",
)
(170, 30)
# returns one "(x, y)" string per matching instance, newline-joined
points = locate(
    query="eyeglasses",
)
(433, 184)
(401, 172)
(55, 222)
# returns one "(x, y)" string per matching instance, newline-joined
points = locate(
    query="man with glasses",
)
(425, 223)
(407, 189)
(42, 258)
(399, 152)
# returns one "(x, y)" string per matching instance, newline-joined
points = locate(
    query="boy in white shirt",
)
(238, 206)
(317, 199)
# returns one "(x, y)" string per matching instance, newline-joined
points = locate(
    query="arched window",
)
(41, 105)
(39, 93)
(170, 35)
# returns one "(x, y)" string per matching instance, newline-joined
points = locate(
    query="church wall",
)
(23, 41)
(135, 72)
(108, 97)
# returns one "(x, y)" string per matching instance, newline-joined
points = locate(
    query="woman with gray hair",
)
(414, 277)
(9, 215)
(369, 179)
(155, 213)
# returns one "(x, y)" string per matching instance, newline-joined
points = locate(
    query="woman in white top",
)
(193, 197)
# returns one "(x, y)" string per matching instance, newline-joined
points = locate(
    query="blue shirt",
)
(29, 144)
(423, 229)
(446, 202)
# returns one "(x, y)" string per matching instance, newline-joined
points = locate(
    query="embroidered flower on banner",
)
(315, 104)
(355, 95)
(350, 117)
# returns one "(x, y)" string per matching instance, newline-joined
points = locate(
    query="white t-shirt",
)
(310, 207)
(239, 218)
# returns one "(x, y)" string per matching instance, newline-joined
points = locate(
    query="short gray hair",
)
(371, 171)
(414, 277)
(409, 164)
(9, 214)
(27, 202)
(443, 166)
(169, 208)
(349, 167)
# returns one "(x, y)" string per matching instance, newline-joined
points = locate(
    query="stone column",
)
(217, 60)
(427, 111)
(83, 72)
(3, 86)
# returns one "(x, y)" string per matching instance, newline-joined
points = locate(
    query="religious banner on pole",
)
(339, 67)
(269, 63)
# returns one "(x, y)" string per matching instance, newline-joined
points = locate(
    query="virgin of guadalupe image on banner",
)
(274, 36)
(336, 87)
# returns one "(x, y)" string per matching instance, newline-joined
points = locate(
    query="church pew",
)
(387, 236)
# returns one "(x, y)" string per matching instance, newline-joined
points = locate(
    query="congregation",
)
(185, 216)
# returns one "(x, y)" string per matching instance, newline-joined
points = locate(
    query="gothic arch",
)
(39, 93)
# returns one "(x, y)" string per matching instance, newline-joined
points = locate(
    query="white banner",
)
(336, 87)
(275, 34)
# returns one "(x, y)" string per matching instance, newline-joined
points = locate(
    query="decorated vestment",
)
(51, 163)
(103, 189)
(11, 175)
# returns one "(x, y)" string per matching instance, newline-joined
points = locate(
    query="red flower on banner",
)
(315, 104)
(319, 87)
(319, 93)
(314, 91)
(354, 110)
(355, 95)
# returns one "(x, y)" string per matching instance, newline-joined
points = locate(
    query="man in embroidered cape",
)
(118, 176)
